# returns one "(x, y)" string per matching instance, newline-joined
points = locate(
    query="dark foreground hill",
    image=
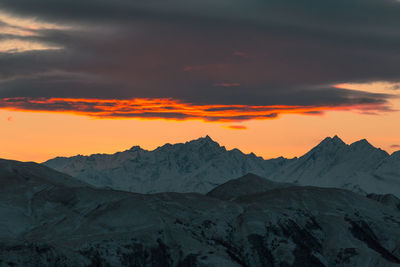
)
(47, 221)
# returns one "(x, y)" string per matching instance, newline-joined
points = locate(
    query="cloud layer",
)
(206, 53)
(169, 109)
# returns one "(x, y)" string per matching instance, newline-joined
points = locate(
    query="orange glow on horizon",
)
(41, 128)
(39, 136)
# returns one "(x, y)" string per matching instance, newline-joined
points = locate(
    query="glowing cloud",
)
(236, 127)
(28, 23)
(16, 27)
(167, 108)
(372, 87)
(18, 46)
(16, 31)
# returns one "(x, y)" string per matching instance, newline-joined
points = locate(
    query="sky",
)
(270, 77)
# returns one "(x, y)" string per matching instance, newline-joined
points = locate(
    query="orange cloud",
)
(237, 127)
(167, 108)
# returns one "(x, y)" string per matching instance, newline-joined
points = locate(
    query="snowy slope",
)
(196, 166)
(359, 167)
(202, 164)
(53, 224)
(389, 168)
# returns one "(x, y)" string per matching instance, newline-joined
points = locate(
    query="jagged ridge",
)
(202, 164)
(195, 166)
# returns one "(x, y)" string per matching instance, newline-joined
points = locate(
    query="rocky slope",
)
(45, 221)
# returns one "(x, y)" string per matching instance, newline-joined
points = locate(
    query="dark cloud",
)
(208, 52)
(395, 146)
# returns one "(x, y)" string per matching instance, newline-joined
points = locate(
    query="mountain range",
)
(195, 166)
(201, 165)
(48, 218)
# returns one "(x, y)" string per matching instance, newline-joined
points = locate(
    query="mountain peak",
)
(364, 145)
(204, 141)
(336, 138)
(361, 143)
(135, 148)
(335, 141)
(328, 145)
(207, 138)
(193, 144)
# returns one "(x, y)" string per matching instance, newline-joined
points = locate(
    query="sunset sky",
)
(270, 77)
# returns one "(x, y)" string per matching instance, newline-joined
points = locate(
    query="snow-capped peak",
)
(332, 163)
(195, 166)
(136, 148)
(363, 145)
(331, 143)
(204, 141)
(328, 148)
(200, 165)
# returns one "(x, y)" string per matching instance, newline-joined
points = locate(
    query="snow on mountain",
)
(202, 164)
(44, 223)
(389, 167)
(196, 166)
(359, 167)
